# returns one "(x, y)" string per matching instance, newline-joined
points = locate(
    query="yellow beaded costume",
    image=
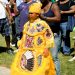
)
(30, 59)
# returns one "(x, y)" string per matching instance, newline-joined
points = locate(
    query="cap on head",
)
(35, 8)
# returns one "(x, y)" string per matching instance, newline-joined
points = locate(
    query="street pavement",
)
(4, 71)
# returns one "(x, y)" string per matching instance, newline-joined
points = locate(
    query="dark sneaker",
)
(10, 51)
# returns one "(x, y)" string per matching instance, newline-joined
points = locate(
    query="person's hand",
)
(10, 19)
(46, 52)
(62, 12)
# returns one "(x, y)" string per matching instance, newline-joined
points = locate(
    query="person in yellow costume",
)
(33, 57)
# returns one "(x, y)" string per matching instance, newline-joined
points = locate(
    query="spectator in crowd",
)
(13, 27)
(22, 10)
(5, 18)
(73, 53)
(52, 16)
(67, 8)
(16, 21)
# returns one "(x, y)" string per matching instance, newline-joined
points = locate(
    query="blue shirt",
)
(23, 10)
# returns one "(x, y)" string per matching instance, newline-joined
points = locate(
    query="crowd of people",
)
(58, 14)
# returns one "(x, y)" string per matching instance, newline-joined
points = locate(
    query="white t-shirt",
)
(2, 9)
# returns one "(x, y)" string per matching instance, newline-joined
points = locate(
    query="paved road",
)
(4, 71)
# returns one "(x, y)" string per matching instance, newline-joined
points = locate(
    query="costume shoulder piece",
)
(37, 34)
